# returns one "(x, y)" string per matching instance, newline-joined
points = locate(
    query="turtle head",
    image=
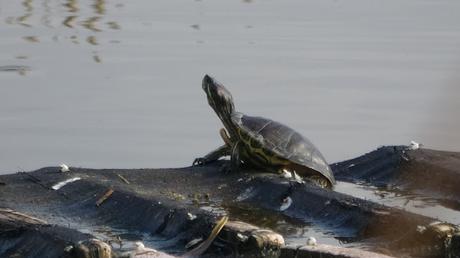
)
(219, 98)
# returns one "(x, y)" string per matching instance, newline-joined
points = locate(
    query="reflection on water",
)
(96, 58)
(22, 20)
(92, 40)
(349, 86)
(72, 6)
(346, 84)
(113, 25)
(69, 21)
(415, 203)
(72, 17)
(28, 5)
(46, 18)
(294, 231)
(31, 39)
(21, 69)
(120, 239)
(91, 24)
(99, 7)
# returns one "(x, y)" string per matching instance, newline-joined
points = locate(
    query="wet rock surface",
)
(173, 210)
(431, 173)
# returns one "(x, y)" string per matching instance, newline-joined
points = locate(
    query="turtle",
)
(262, 143)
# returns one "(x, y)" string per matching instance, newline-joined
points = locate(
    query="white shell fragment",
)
(64, 168)
(61, 184)
(286, 203)
(442, 227)
(421, 229)
(68, 248)
(286, 174)
(142, 251)
(191, 216)
(193, 242)
(414, 145)
(311, 241)
(241, 237)
(141, 247)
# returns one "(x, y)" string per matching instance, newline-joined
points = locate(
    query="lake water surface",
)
(118, 83)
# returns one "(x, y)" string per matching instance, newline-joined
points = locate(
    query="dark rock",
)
(171, 207)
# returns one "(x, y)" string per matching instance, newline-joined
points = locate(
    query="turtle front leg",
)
(225, 137)
(235, 160)
(214, 155)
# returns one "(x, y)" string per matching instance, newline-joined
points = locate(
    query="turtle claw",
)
(199, 162)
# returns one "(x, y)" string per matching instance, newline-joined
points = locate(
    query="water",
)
(414, 203)
(294, 232)
(118, 83)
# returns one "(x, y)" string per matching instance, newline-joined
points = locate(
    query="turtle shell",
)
(284, 142)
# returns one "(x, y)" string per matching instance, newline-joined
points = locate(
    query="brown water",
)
(118, 83)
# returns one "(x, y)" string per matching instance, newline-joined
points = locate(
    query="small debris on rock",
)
(16, 215)
(286, 203)
(93, 246)
(191, 216)
(123, 179)
(141, 249)
(414, 145)
(104, 197)
(421, 229)
(380, 193)
(241, 237)
(311, 241)
(64, 168)
(68, 248)
(201, 248)
(443, 228)
(434, 223)
(193, 242)
(63, 183)
(286, 174)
